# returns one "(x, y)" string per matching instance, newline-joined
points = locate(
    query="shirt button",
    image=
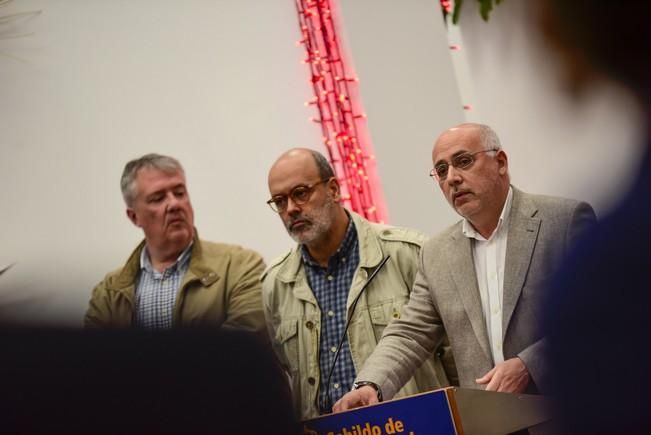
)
(343, 259)
(309, 324)
(311, 380)
(495, 310)
(331, 313)
(333, 349)
(336, 385)
(330, 278)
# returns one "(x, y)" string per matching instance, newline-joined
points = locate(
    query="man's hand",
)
(363, 396)
(510, 376)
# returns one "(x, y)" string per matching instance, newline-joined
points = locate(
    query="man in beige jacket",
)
(173, 278)
(310, 293)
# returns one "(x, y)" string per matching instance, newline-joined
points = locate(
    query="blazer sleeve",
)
(406, 342)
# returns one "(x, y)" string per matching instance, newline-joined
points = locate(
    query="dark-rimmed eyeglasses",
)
(460, 161)
(299, 195)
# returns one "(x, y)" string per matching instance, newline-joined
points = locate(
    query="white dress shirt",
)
(489, 256)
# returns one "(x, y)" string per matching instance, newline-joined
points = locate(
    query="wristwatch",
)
(360, 384)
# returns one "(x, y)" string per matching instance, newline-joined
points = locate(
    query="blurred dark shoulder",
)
(133, 381)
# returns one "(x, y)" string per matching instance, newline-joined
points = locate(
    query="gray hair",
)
(325, 169)
(488, 137)
(150, 161)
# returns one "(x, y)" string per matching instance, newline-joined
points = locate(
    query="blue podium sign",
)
(422, 414)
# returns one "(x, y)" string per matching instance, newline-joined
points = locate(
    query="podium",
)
(449, 411)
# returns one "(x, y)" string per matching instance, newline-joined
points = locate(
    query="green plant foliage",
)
(485, 8)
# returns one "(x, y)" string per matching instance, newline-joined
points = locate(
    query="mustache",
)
(457, 192)
(175, 216)
(298, 219)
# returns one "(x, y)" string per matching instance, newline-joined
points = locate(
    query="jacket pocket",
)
(287, 337)
(382, 314)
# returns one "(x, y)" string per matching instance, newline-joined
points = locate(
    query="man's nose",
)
(173, 201)
(292, 207)
(454, 176)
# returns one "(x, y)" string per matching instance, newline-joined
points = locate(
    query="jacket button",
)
(311, 380)
(309, 324)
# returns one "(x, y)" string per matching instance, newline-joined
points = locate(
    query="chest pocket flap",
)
(287, 338)
(286, 330)
(383, 313)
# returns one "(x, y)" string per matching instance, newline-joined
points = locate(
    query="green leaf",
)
(485, 8)
(457, 11)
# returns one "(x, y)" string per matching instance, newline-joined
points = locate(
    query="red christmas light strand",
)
(345, 135)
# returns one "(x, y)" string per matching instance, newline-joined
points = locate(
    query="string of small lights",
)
(448, 7)
(339, 112)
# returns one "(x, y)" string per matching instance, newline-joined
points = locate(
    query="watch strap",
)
(376, 387)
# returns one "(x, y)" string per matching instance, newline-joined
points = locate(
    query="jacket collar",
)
(197, 269)
(469, 231)
(522, 237)
(370, 252)
(462, 269)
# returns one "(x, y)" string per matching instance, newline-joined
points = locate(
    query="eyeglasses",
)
(460, 161)
(299, 196)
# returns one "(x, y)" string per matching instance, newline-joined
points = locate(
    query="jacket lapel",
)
(523, 233)
(465, 278)
(293, 272)
(370, 255)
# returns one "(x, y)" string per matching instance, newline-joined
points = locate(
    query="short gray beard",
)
(321, 222)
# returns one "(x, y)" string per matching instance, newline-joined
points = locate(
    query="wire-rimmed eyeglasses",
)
(460, 161)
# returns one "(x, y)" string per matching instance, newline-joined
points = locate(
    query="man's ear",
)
(502, 162)
(334, 188)
(131, 214)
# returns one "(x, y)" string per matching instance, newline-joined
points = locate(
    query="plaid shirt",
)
(156, 292)
(330, 287)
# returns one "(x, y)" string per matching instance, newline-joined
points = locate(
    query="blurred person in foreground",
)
(597, 312)
(482, 280)
(309, 293)
(173, 278)
(117, 381)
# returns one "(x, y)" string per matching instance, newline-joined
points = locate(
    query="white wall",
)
(219, 84)
(585, 149)
(410, 94)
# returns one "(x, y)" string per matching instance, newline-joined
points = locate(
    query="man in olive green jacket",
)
(309, 293)
(173, 278)
(220, 288)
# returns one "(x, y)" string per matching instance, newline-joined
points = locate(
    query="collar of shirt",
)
(342, 251)
(183, 258)
(469, 231)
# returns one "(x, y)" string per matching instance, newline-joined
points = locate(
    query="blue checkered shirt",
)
(156, 291)
(330, 287)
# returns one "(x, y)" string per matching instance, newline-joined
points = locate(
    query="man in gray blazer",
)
(481, 280)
